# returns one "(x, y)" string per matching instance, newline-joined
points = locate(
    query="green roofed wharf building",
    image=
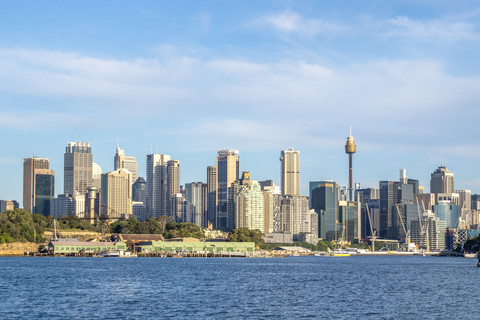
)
(201, 246)
(75, 246)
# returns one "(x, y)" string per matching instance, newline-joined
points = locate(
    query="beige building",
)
(96, 176)
(38, 185)
(295, 214)
(246, 203)
(8, 205)
(290, 172)
(78, 165)
(126, 162)
(228, 171)
(442, 181)
(117, 194)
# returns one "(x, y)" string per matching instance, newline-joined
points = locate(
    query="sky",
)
(190, 78)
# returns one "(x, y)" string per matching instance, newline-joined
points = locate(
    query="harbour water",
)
(357, 287)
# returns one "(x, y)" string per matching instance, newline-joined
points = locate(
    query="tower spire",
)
(350, 149)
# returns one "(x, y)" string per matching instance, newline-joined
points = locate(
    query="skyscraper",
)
(78, 163)
(173, 183)
(290, 171)
(156, 184)
(228, 171)
(211, 197)
(140, 191)
(441, 181)
(325, 203)
(246, 204)
(126, 162)
(38, 185)
(195, 194)
(117, 194)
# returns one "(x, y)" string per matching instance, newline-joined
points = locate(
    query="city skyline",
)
(201, 77)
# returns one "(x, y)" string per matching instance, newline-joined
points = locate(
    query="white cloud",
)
(431, 29)
(279, 101)
(291, 22)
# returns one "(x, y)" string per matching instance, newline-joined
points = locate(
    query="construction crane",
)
(372, 236)
(420, 220)
(407, 234)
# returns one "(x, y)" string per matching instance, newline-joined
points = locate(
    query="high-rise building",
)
(391, 194)
(211, 197)
(429, 233)
(126, 162)
(178, 208)
(38, 185)
(8, 205)
(349, 220)
(325, 203)
(63, 204)
(140, 191)
(195, 194)
(442, 181)
(448, 212)
(78, 165)
(173, 183)
(246, 204)
(465, 199)
(295, 215)
(290, 172)
(117, 194)
(228, 171)
(156, 185)
(96, 176)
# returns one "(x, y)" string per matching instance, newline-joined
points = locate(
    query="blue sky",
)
(260, 77)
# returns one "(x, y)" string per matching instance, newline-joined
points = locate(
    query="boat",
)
(339, 253)
(109, 253)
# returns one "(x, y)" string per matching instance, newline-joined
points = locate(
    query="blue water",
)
(382, 287)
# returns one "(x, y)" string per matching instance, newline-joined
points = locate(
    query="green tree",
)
(246, 235)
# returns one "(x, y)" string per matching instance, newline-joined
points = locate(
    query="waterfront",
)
(311, 287)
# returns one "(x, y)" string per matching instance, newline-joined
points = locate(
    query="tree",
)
(246, 235)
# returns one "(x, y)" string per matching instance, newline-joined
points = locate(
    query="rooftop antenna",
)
(442, 159)
(350, 131)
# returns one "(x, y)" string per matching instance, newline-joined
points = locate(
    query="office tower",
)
(271, 195)
(156, 184)
(475, 201)
(173, 183)
(126, 162)
(92, 204)
(8, 205)
(350, 149)
(117, 194)
(228, 171)
(140, 191)
(290, 171)
(96, 176)
(465, 199)
(349, 220)
(139, 210)
(325, 203)
(38, 185)
(442, 181)
(246, 204)
(295, 214)
(78, 165)
(63, 204)
(195, 194)
(367, 194)
(391, 194)
(211, 218)
(448, 212)
(429, 233)
(178, 206)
